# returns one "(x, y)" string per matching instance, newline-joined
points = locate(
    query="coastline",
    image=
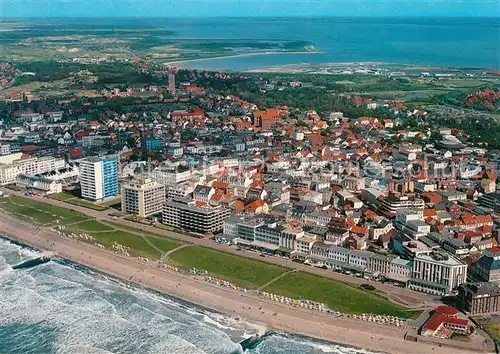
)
(247, 306)
(237, 56)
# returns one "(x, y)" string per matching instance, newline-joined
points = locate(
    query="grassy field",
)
(460, 337)
(63, 196)
(163, 243)
(143, 232)
(41, 213)
(108, 235)
(238, 270)
(138, 246)
(70, 198)
(335, 294)
(462, 82)
(91, 226)
(86, 204)
(110, 203)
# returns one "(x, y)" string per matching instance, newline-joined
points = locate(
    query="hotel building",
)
(437, 273)
(99, 177)
(199, 217)
(143, 197)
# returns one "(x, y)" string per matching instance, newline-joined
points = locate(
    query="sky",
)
(248, 8)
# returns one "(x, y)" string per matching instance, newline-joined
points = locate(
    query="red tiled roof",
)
(485, 229)
(447, 310)
(75, 152)
(359, 230)
(31, 148)
(220, 185)
(255, 205)
(430, 213)
(437, 320)
(495, 249)
(239, 205)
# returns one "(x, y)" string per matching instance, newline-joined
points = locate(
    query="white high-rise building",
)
(143, 197)
(99, 177)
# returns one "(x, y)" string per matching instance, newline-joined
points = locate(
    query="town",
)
(402, 196)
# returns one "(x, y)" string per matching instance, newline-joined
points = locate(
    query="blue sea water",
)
(448, 42)
(60, 307)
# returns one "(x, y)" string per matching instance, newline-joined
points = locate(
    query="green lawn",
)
(86, 204)
(28, 209)
(136, 243)
(460, 337)
(337, 295)
(63, 196)
(163, 243)
(132, 229)
(111, 203)
(108, 235)
(71, 198)
(91, 225)
(238, 270)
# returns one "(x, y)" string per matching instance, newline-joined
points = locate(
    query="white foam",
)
(80, 308)
(5, 269)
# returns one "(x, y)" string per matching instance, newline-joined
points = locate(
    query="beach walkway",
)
(166, 254)
(276, 279)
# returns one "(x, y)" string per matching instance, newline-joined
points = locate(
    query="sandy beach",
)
(247, 306)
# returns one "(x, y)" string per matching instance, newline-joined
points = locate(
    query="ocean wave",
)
(62, 307)
(90, 311)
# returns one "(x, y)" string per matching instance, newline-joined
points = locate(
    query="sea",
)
(443, 42)
(64, 308)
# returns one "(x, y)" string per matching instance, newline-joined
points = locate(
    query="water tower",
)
(171, 79)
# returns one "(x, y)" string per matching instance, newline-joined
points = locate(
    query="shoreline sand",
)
(237, 56)
(248, 306)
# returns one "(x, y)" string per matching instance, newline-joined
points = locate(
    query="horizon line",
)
(254, 17)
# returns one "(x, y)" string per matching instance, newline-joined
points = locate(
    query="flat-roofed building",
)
(456, 247)
(39, 184)
(12, 165)
(143, 197)
(437, 273)
(193, 215)
(392, 203)
(479, 298)
(171, 175)
(361, 261)
(99, 177)
(304, 243)
(4, 149)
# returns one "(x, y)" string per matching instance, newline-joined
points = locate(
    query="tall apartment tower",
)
(99, 177)
(143, 197)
